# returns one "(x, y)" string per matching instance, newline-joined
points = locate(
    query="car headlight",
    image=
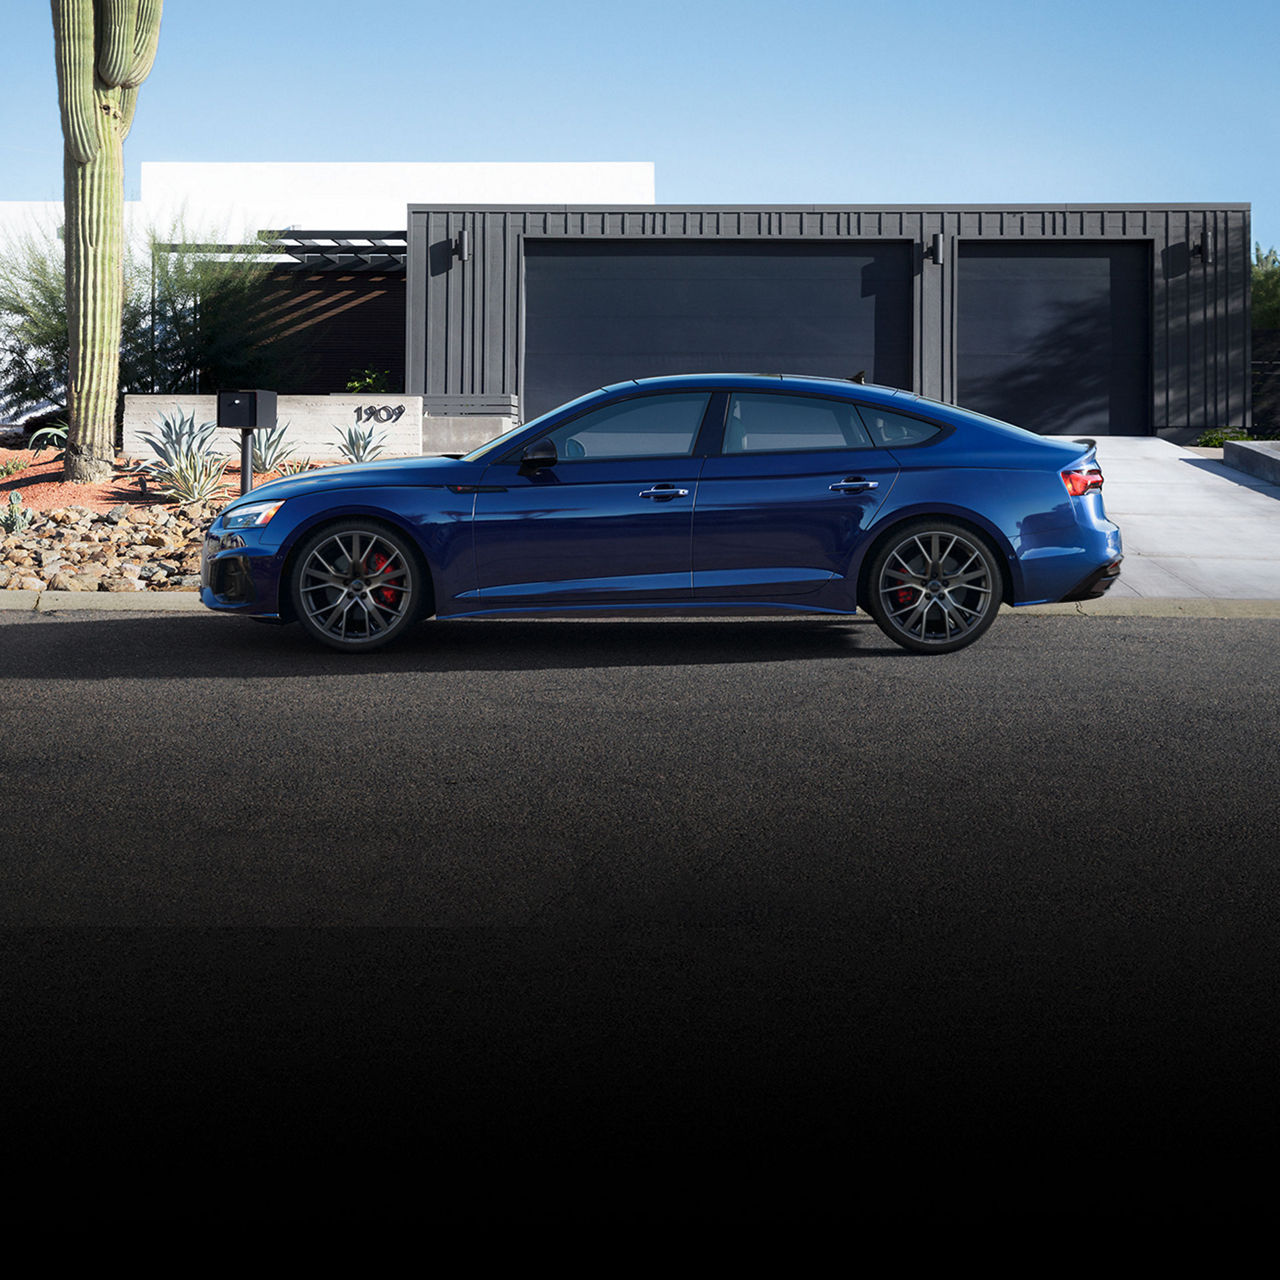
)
(251, 516)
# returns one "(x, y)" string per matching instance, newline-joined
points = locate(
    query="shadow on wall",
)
(1071, 376)
(1266, 382)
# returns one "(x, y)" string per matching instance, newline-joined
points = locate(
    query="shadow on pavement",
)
(71, 647)
(1221, 471)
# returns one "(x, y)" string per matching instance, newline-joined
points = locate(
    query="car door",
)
(783, 506)
(608, 522)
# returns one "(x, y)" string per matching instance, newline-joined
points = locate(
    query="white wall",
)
(232, 199)
(349, 197)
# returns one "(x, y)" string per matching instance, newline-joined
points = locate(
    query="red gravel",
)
(41, 487)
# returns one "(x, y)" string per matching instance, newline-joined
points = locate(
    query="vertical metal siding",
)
(463, 328)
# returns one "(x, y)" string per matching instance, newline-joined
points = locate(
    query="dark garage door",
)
(1056, 337)
(598, 312)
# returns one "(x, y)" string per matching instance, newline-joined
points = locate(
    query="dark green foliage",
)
(206, 322)
(33, 327)
(1266, 288)
(220, 321)
(378, 380)
(1216, 437)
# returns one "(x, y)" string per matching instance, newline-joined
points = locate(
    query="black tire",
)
(356, 585)
(934, 586)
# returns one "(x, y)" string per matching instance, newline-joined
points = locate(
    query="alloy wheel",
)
(355, 587)
(935, 589)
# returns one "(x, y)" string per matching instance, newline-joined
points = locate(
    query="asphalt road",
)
(641, 920)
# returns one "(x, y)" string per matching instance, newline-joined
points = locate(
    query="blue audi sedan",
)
(716, 493)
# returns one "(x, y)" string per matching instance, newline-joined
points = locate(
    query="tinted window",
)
(891, 429)
(646, 427)
(774, 424)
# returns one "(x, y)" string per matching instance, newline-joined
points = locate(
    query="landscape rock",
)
(125, 549)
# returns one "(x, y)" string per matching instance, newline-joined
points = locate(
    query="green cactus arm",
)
(128, 105)
(73, 53)
(146, 38)
(118, 23)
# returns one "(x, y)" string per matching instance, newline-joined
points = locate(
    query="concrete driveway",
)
(1192, 527)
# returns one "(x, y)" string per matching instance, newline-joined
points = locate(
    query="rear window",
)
(770, 423)
(895, 429)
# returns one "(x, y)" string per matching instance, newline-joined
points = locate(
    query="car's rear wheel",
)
(934, 586)
(356, 585)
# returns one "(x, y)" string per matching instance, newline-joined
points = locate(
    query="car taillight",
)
(1080, 482)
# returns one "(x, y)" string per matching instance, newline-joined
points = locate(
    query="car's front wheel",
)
(356, 585)
(934, 586)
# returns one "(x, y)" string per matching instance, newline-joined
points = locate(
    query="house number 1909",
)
(378, 412)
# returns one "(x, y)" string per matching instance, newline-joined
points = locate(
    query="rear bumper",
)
(1096, 584)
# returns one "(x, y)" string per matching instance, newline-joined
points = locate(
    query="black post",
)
(247, 411)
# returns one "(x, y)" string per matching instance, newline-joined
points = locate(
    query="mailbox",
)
(247, 410)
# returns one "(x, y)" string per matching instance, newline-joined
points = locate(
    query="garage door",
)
(1056, 337)
(598, 312)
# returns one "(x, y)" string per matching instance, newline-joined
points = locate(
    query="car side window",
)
(766, 423)
(889, 429)
(660, 426)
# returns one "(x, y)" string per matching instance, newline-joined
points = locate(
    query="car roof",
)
(843, 387)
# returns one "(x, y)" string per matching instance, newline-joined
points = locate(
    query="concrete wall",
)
(310, 422)
(462, 433)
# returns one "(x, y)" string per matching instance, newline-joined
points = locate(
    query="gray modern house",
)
(1066, 318)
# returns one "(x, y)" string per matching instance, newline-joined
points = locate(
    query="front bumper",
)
(236, 576)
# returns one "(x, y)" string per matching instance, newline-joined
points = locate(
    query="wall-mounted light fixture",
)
(462, 245)
(935, 249)
(1204, 247)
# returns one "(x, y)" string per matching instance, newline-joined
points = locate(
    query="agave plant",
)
(360, 444)
(270, 451)
(178, 436)
(294, 466)
(185, 467)
(196, 478)
(54, 437)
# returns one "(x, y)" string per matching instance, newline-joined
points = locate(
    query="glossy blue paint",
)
(581, 532)
(788, 528)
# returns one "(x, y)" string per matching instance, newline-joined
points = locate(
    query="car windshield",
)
(490, 446)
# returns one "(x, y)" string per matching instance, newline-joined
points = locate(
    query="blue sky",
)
(910, 102)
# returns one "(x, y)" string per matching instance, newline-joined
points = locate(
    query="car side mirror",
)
(542, 453)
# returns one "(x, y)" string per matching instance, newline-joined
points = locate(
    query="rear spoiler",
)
(1090, 446)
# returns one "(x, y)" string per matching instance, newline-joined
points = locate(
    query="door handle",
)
(854, 484)
(664, 493)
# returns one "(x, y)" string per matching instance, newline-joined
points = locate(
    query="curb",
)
(1151, 607)
(103, 601)
(189, 602)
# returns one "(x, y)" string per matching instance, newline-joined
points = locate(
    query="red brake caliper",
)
(904, 596)
(385, 594)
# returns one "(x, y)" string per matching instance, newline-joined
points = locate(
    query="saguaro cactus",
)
(104, 51)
